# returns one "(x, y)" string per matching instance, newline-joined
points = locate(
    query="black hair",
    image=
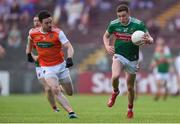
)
(122, 7)
(43, 15)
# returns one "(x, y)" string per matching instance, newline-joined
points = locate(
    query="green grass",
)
(35, 108)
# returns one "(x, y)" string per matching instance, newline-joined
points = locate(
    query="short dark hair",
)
(43, 15)
(122, 7)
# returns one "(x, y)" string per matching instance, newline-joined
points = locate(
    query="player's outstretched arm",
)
(106, 40)
(29, 49)
(70, 53)
(29, 45)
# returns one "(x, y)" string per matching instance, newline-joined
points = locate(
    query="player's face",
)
(47, 24)
(123, 17)
(36, 22)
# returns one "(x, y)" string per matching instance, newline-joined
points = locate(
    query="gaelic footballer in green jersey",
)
(123, 44)
(125, 53)
(161, 62)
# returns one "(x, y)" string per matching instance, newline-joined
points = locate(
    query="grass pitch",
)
(90, 109)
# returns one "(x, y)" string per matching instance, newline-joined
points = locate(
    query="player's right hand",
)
(110, 50)
(30, 58)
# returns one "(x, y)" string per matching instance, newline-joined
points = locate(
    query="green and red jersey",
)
(123, 44)
(164, 66)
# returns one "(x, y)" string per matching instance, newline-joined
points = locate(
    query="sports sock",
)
(71, 113)
(54, 107)
(130, 107)
(116, 90)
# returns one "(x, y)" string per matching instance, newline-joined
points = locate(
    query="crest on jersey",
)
(51, 35)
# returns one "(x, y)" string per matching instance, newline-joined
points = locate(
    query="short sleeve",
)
(143, 27)
(62, 37)
(29, 35)
(110, 29)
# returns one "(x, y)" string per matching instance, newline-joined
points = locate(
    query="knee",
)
(47, 89)
(130, 88)
(115, 77)
(70, 93)
(55, 90)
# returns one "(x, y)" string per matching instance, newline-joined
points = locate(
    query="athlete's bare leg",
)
(66, 84)
(49, 94)
(54, 85)
(116, 71)
(159, 86)
(130, 78)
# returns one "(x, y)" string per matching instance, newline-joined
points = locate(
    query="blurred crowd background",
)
(84, 22)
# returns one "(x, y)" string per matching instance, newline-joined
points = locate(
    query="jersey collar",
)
(127, 23)
(41, 30)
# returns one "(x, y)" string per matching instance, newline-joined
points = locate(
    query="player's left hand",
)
(147, 39)
(35, 57)
(69, 62)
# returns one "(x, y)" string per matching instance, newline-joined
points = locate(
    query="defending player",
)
(39, 71)
(125, 53)
(49, 42)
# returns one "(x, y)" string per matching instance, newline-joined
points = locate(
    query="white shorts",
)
(162, 76)
(58, 71)
(129, 66)
(39, 73)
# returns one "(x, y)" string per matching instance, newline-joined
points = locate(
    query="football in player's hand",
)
(137, 37)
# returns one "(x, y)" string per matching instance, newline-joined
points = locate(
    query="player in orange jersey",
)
(39, 72)
(49, 42)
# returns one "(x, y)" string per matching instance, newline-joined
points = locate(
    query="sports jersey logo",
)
(132, 30)
(122, 36)
(45, 44)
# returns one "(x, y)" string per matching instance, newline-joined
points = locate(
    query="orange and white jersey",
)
(49, 45)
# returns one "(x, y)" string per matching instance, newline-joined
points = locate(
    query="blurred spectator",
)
(4, 10)
(146, 4)
(93, 12)
(134, 4)
(2, 52)
(177, 66)
(105, 5)
(177, 22)
(14, 11)
(74, 10)
(2, 33)
(27, 10)
(14, 37)
(28, 6)
(171, 26)
(45, 4)
(89, 15)
(59, 10)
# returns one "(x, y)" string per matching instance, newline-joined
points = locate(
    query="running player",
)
(161, 63)
(49, 41)
(39, 72)
(125, 53)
